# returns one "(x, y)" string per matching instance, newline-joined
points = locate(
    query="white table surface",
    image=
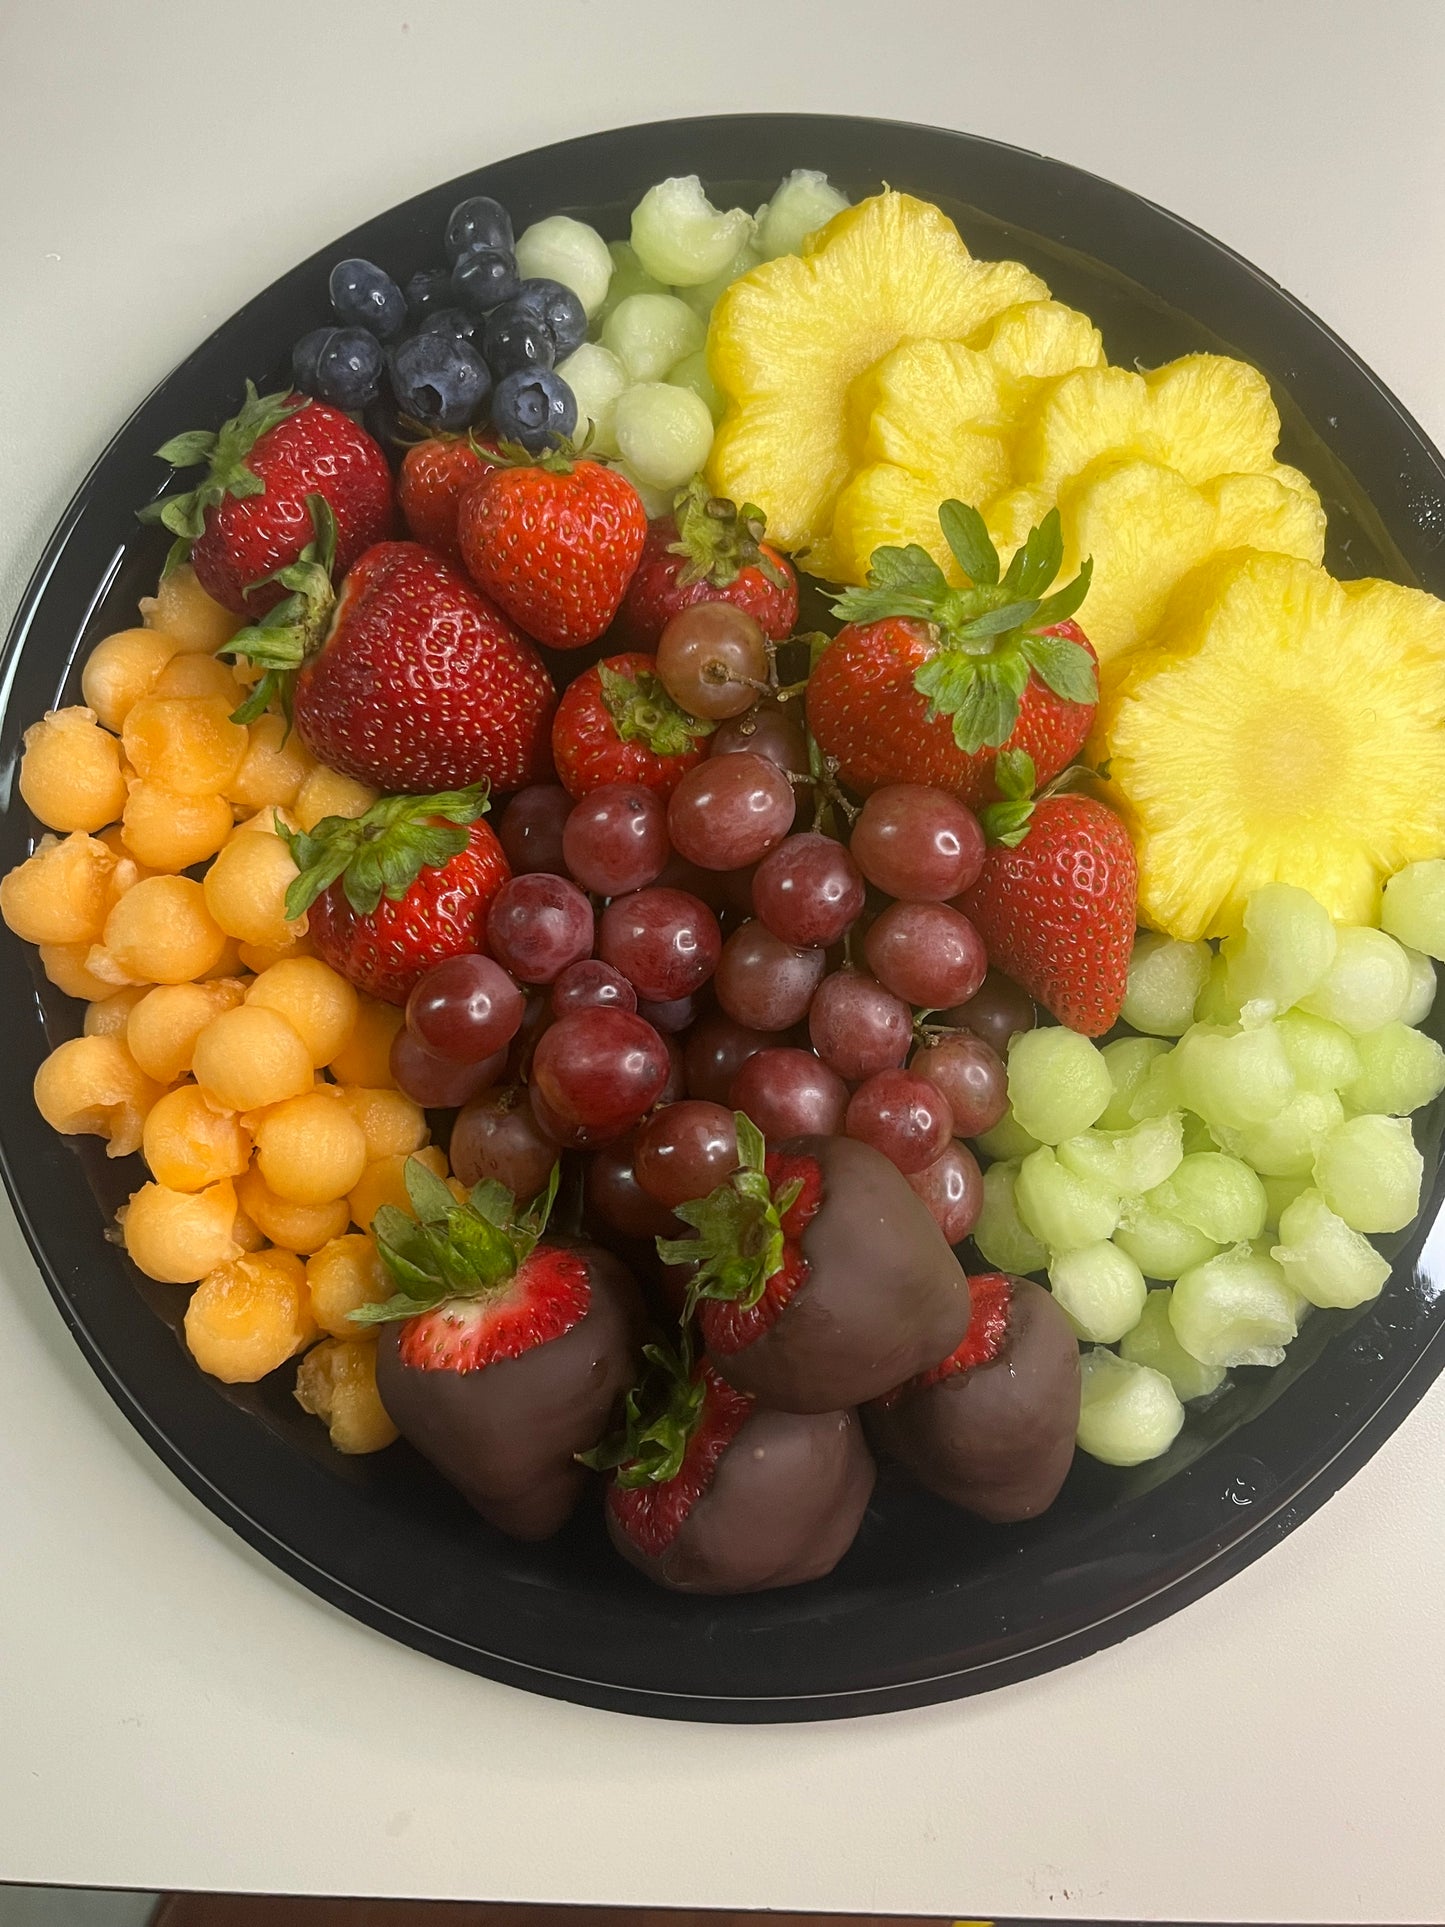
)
(173, 1712)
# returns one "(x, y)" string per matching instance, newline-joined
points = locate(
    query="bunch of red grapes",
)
(660, 960)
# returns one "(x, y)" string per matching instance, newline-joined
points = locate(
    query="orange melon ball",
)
(326, 792)
(67, 965)
(176, 1237)
(341, 1277)
(249, 1315)
(310, 1149)
(93, 1087)
(384, 1182)
(189, 743)
(108, 1016)
(336, 1382)
(188, 1144)
(70, 774)
(121, 669)
(296, 1227)
(391, 1121)
(274, 767)
(164, 1024)
(365, 1057)
(315, 1000)
(246, 889)
(168, 831)
(182, 610)
(61, 893)
(161, 932)
(250, 1057)
(192, 674)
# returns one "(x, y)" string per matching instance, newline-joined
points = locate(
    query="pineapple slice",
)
(1203, 415)
(1146, 528)
(1284, 728)
(788, 339)
(933, 421)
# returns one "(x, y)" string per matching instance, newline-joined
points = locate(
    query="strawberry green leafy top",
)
(991, 634)
(382, 852)
(223, 451)
(739, 1245)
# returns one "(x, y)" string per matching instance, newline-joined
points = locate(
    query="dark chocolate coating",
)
(884, 1298)
(784, 1505)
(506, 1435)
(997, 1439)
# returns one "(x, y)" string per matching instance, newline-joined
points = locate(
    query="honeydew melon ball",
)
(1218, 1195)
(1165, 979)
(628, 277)
(681, 238)
(664, 434)
(1007, 1139)
(1152, 1342)
(1214, 1004)
(1236, 1309)
(1001, 1235)
(1423, 984)
(560, 248)
(691, 372)
(1157, 1092)
(1128, 1413)
(1280, 1194)
(703, 298)
(1058, 1082)
(1412, 908)
(1323, 1258)
(1100, 1289)
(651, 333)
(1062, 1210)
(1287, 945)
(1162, 1245)
(1366, 986)
(803, 201)
(1285, 1146)
(1322, 1055)
(596, 378)
(1233, 1078)
(1400, 1070)
(1369, 1172)
(1128, 1059)
(1129, 1162)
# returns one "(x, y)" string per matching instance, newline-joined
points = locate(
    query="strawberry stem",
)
(643, 712)
(739, 1245)
(718, 539)
(384, 851)
(660, 1415)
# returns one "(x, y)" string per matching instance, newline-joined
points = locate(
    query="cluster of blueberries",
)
(458, 345)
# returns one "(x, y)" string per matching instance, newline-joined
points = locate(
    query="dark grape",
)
(685, 1151)
(857, 1027)
(537, 925)
(615, 839)
(997, 1011)
(715, 1051)
(466, 1008)
(809, 890)
(710, 659)
(496, 1136)
(952, 1188)
(530, 830)
(929, 954)
(788, 1093)
(763, 982)
(615, 1198)
(672, 1016)
(590, 984)
(771, 730)
(903, 1116)
(971, 1076)
(919, 844)
(665, 942)
(730, 811)
(439, 1083)
(599, 1069)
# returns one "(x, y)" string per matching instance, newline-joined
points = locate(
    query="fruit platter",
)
(724, 869)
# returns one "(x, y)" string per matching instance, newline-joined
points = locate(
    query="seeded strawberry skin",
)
(655, 594)
(549, 1294)
(587, 750)
(991, 1295)
(435, 475)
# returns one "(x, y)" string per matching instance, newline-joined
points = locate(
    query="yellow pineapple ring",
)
(1283, 727)
(788, 339)
(1203, 415)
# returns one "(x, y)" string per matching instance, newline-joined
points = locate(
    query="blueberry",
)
(428, 290)
(455, 323)
(365, 296)
(306, 358)
(514, 339)
(483, 277)
(558, 309)
(535, 407)
(439, 382)
(479, 222)
(348, 369)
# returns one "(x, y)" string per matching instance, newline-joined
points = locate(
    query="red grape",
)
(530, 830)
(715, 1051)
(710, 659)
(789, 1093)
(613, 1195)
(437, 1082)
(997, 1011)
(857, 1027)
(769, 730)
(763, 982)
(599, 1069)
(615, 839)
(576, 1137)
(809, 890)
(685, 1151)
(537, 925)
(591, 984)
(665, 942)
(467, 1008)
(671, 1016)
(952, 1188)
(496, 1136)
(971, 1076)
(921, 845)
(928, 954)
(903, 1116)
(730, 811)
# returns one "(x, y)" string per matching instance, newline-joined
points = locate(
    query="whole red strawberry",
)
(248, 517)
(403, 887)
(435, 475)
(928, 683)
(554, 542)
(617, 724)
(504, 1351)
(1055, 900)
(421, 683)
(709, 550)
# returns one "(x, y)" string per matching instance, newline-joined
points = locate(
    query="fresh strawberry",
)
(504, 1352)
(403, 887)
(709, 550)
(421, 684)
(712, 1493)
(554, 542)
(435, 475)
(927, 683)
(817, 1272)
(617, 724)
(248, 517)
(1055, 900)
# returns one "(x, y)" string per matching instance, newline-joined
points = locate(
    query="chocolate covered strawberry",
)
(504, 1352)
(927, 683)
(992, 1427)
(709, 550)
(1056, 899)
(820, 1278)
(617, 724)
(398, 889)
(248, 517)
(714, 1493)
(553, 541)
